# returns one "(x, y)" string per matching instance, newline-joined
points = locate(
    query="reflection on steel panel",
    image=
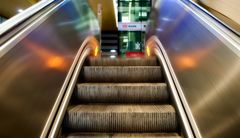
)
(33, 71)
(207, 69)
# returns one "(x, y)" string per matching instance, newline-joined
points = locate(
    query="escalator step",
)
(124, 135)
(152, 61)
(122, 74)
(121, 118)
(121, 93)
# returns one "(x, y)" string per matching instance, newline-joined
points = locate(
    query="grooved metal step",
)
(112, 41)
(124, 135)
(109, 47)
(112, 35)
(122, 74)
(108, 53)
(121, 118)
(121, 93)
(118, 98)
(122, 61)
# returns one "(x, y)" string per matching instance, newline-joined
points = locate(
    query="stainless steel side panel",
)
(33, 71)
(206, 64)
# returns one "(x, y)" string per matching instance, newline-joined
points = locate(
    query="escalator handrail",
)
(156, 48)
(191, 2)
(20, 17)
(9, 44)
(87, 48)
(219, 29)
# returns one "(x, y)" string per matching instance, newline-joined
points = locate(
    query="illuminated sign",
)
(132, 26)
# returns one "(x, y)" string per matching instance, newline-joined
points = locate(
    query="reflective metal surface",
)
(10, 23)
(33, 71)
(206, 64)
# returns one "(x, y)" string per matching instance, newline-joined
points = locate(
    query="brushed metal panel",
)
(33, 71)
(206, 66)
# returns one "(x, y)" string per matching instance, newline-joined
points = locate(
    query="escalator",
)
(121, 98)
(48, 89)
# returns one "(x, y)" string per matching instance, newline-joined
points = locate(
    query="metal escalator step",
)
(112, 36)
(109, 40)
(124, 135)
(121, 93)
(121, 118)
(152, 61)
(122, 74)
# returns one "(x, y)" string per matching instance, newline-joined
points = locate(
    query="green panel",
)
(131, 41)
(132, 11)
